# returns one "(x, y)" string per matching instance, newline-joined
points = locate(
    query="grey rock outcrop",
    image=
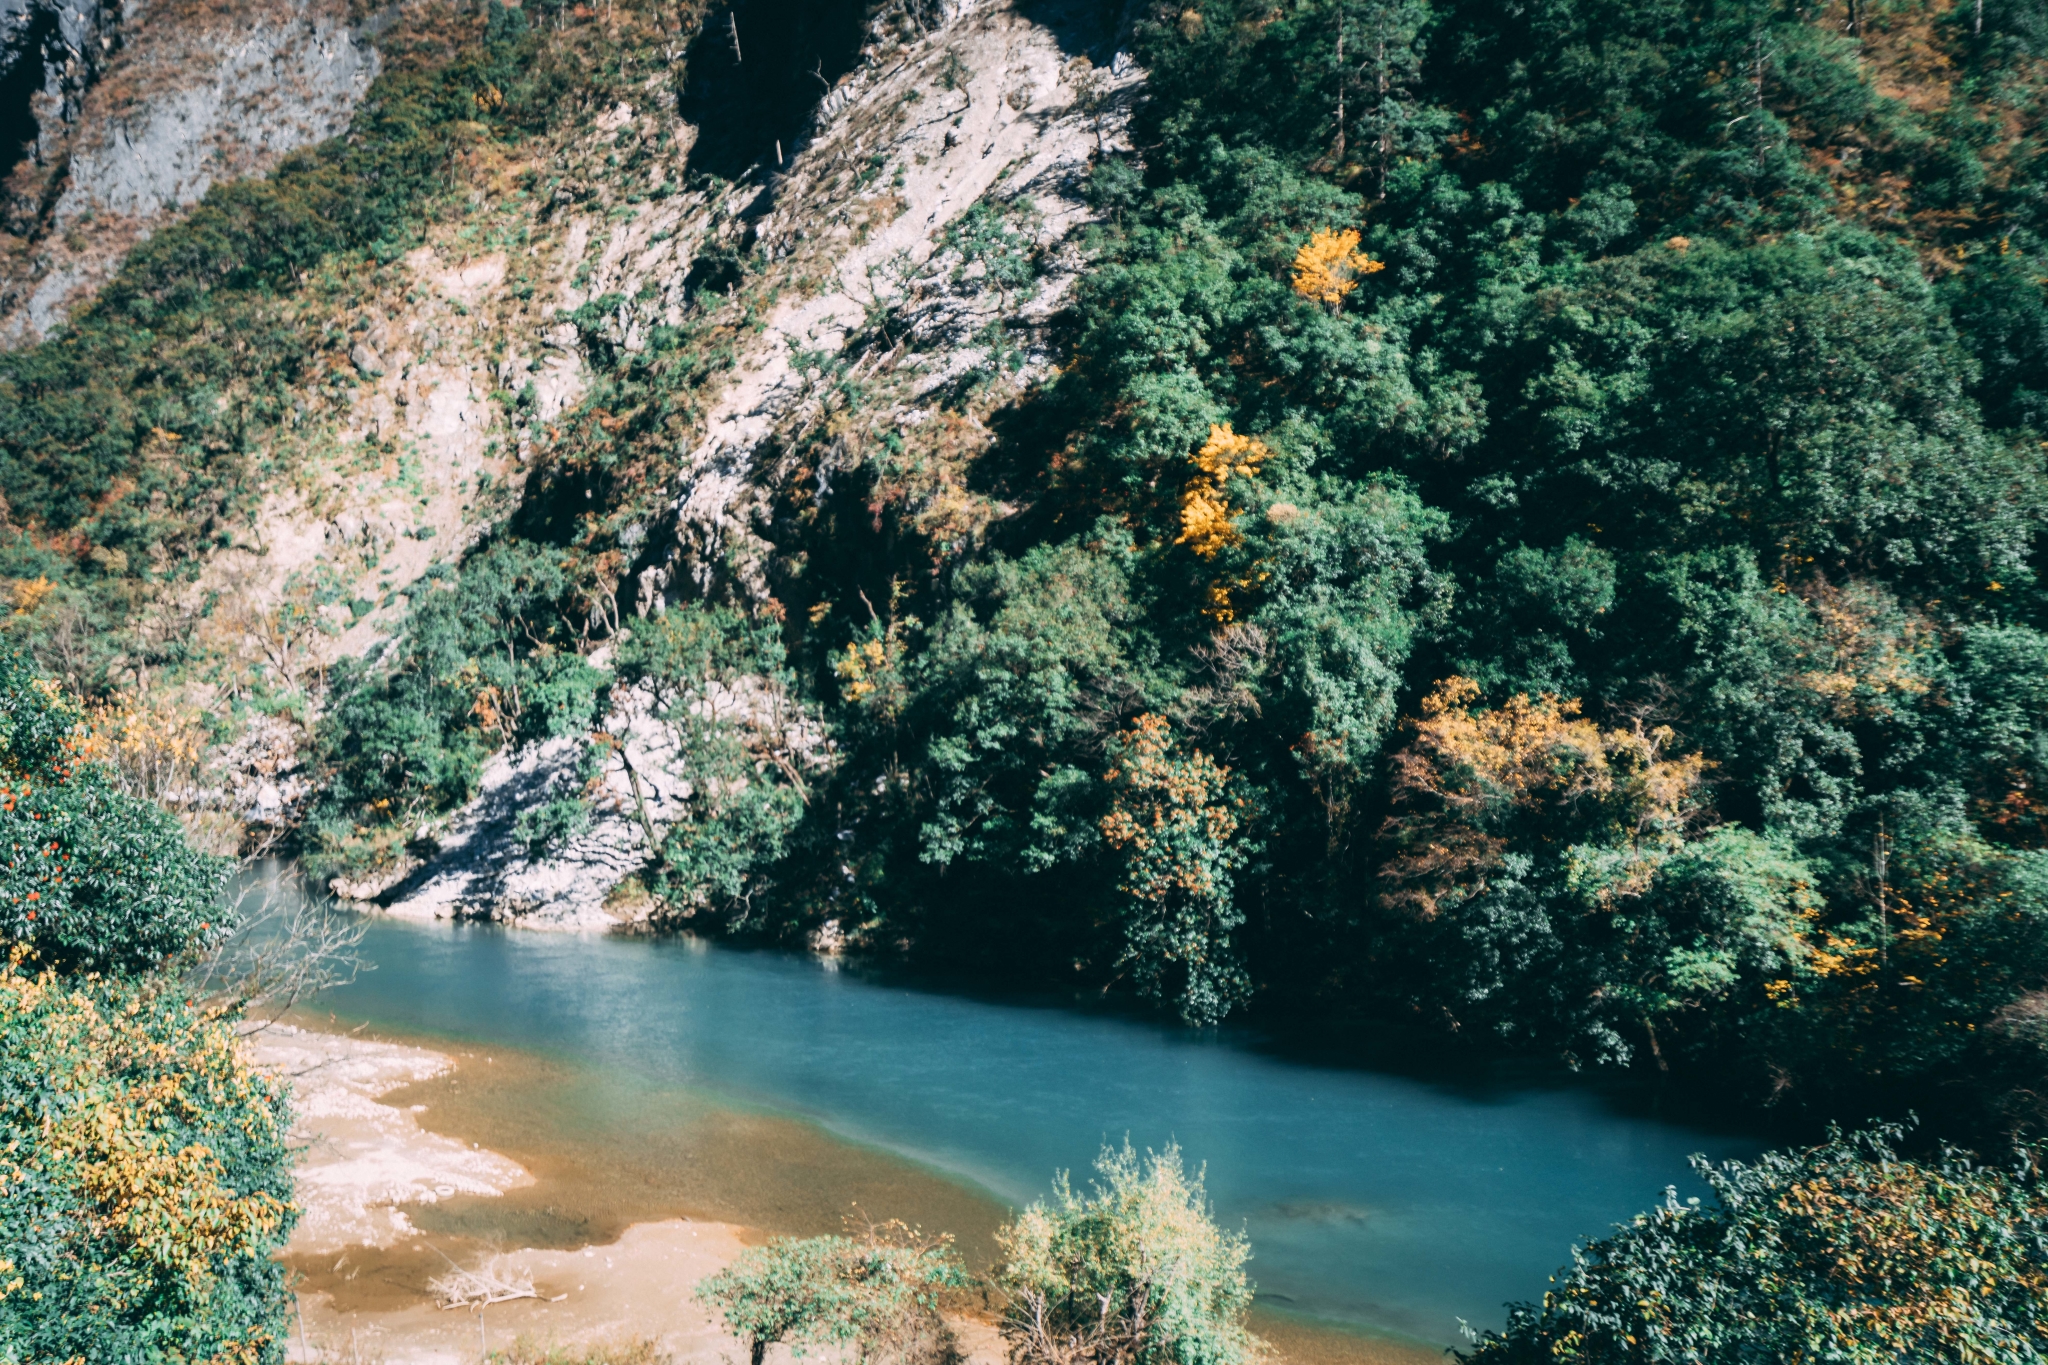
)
(55, 49)
(167, 107)
(481, 869)
(290, 81)
(1014, 136)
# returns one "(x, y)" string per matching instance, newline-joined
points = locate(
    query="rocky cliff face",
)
(119, 116)
(897, 207)
(994, 111)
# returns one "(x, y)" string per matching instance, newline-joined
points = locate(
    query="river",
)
(1372, 1201)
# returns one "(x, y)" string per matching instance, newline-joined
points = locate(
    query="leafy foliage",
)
(95, 880)
(1175, 820)
(879, 1291)
(1843, 1251)
(1639, 399)
(717, 686)
(144, 1179)
(488, 654)
(1135, 1270)
(1329, 265)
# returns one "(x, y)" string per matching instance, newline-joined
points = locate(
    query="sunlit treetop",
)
(1206, 524)
(1330, 265)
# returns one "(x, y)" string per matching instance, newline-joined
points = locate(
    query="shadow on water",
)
(1367, 1047)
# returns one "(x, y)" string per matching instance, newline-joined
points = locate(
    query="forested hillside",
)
(1526, 528)
(1534, 535)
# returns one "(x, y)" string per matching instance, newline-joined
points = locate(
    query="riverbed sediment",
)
(366, 1170)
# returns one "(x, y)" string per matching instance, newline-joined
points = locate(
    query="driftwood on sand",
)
(481, 1287)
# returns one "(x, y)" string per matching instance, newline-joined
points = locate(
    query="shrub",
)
(144, 1178)
(879, 1292)
(94, 880)
(1135, 1271)
(717, 687)
(1841, 1252)
(488, 656)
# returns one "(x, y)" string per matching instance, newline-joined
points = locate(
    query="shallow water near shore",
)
(648, 1079)
(659, 1154)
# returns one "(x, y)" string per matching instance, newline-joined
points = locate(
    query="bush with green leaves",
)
(717, 686)
(94, 880)
(144, 1178)
(1845, 1251)
(145, 1181)
(1134, 1270)
(878, 1292)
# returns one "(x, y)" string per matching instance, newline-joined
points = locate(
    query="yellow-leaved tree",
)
(1475, 781)
(1207, 520)
(1330, 265)
(1175, 821)
(1206, 524)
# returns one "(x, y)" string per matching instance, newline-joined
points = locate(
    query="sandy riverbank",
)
(368, 1167)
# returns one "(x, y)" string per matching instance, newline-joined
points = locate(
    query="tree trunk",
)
(1386, 123)
(1343, 79)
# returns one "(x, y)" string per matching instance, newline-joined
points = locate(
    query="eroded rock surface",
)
(484, 869)
(863, 224)
(142, 112)
(1012, 131)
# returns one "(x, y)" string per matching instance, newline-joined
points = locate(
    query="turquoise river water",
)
(1373, 1200)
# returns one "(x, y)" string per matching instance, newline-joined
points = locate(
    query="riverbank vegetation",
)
(1133, 1270)
(876, 1294)
(1533, 541)
(144, 1178)
(1843, 1251)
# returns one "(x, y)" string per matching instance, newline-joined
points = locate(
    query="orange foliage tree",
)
(1471, 780)
(1176, 817)
(1330, 265)
(1208, 522)
(1566, 863)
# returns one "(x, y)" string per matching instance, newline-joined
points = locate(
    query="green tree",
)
(1177, 821)
(95, 880)
(718, 686)
(144, 1178)
(490, 653)
(1377, 58)
(879, 1292)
